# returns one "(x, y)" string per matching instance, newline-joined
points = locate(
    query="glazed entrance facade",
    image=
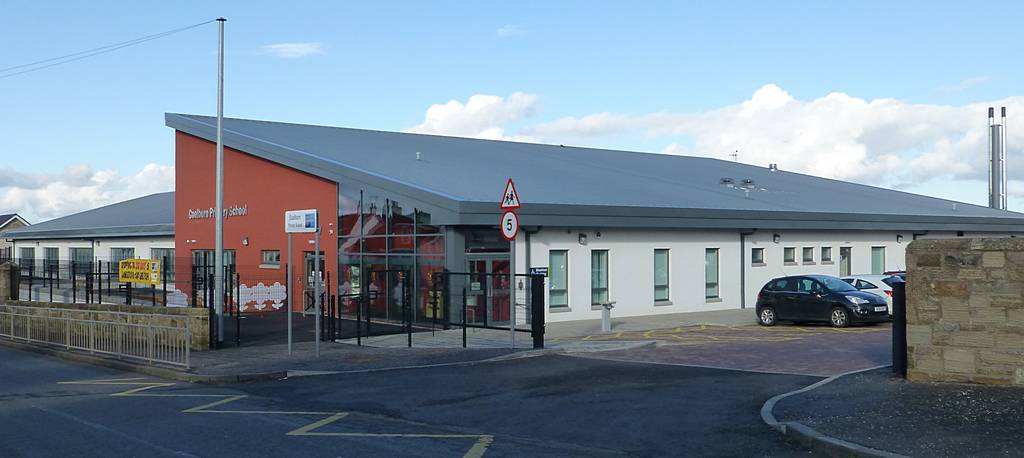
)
(389, 252)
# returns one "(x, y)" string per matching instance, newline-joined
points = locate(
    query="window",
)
(826, 254)
(757, 256)
(808, 254)
(82, 257)
(877, 260)
(661, 275)
(27, 261)
(166, 258)
(51, 258)
(598, 277)
(270, 258)
(783, 284)
(861, 284)
(711, 273)
(789, 254)
(120, 254)
(559, 273)
(807, 285)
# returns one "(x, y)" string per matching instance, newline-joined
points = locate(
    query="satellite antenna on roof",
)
(735, 156)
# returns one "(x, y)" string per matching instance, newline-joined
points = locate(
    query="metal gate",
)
(497, 301)
(385, 304)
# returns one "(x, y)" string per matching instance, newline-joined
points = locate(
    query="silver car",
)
(871, 283)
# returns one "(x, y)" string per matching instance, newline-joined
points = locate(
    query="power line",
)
(54, 61)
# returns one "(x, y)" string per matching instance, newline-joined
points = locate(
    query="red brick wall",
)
(267, 190)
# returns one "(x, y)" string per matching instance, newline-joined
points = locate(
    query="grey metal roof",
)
(152, 215)
(570, 186)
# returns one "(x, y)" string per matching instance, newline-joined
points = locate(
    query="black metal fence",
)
(45, 280)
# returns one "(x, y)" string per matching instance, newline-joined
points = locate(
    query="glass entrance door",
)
(310, 279)
(489, 292)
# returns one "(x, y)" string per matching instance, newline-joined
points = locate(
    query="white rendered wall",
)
(860, 244)
(101, 247)
(631, 269)
(631, 264)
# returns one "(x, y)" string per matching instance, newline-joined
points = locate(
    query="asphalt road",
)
(540, 406)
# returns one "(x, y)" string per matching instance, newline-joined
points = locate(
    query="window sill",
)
(270, 266)
(808, 263)
(709, 300)
(757, 264)
(662, 303)
(826, 263)
(789, 263)
(559, 309)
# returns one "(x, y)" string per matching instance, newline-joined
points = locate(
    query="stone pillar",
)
(8, 281)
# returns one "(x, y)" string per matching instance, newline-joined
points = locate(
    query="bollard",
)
(606, 316)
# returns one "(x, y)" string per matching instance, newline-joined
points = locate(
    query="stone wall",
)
(197, 319)
(6, 279)
(965, 311)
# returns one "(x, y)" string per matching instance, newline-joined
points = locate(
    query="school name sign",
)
(203, 213)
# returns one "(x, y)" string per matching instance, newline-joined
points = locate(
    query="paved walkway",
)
(644, 323)
(334, 357)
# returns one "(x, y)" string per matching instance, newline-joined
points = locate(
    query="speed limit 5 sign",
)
(509, 225)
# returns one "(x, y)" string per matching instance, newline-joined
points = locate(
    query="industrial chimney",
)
(997, 160)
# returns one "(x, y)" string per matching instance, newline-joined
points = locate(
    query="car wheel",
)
(839, 318)
(767, 317)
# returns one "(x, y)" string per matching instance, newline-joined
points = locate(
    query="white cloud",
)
(482, 116)
(511, 30)
(39, 196)
(882, 141)
(293, 50)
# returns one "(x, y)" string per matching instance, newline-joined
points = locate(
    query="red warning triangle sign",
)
(510, 198)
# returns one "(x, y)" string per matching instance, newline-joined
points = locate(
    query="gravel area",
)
(879, 410)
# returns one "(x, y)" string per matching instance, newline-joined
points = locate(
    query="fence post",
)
(537, 310)
(359, 318)
(238, 312)
(149, 340)
(120, 333)
(67, 342)
(899, 328)
(92, 336)
(99, 280)
(49, 277)
(464, 308)
(74, 284)
(163, 277)
(188, 344)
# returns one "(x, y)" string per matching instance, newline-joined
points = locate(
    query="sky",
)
(891, 94)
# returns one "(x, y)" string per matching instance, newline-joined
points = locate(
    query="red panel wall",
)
(267, 190)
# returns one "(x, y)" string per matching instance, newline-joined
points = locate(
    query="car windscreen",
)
(836, 285)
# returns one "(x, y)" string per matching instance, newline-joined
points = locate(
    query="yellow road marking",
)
(483, 441)
(213, 404)
(308, 429)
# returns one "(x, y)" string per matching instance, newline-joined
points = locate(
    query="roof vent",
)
(419, 156)
(747, 183)
(773, 167)
(725, 182)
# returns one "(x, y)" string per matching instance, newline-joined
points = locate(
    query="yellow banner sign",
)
(139, 271)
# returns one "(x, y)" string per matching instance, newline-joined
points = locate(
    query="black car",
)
(818, 298)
